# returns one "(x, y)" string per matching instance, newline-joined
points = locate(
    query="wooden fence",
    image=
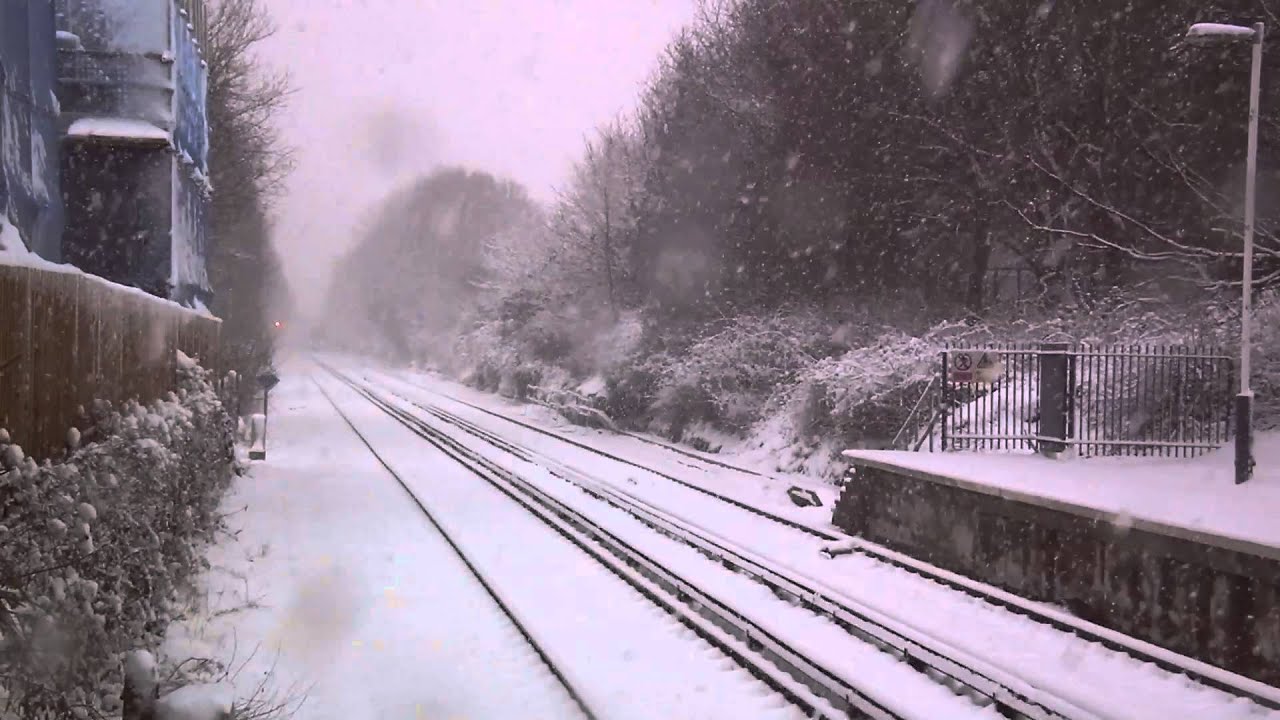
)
(67, 339)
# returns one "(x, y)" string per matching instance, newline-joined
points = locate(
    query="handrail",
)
(912, 414)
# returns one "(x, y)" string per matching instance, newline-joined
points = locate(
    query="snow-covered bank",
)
(748, 472)
(796, 386)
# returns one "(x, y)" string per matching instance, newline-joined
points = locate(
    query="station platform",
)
(1169, 551)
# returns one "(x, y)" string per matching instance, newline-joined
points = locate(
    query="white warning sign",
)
(977, 367)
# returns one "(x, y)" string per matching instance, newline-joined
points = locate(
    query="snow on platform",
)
(1193, 499)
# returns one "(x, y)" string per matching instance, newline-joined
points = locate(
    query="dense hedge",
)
(94, 549)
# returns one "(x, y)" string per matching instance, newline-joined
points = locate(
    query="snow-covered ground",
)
(1089, 676)
(891, 682)
(336, 581)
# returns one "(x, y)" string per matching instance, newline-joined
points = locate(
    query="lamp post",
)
(1214, 34)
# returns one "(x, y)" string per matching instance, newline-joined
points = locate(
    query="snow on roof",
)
(118, 129)
(1186, 497)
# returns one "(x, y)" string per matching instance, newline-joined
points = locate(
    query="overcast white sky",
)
(389, 88)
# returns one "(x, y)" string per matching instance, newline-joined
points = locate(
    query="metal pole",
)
(1244, 403)
(265, 417)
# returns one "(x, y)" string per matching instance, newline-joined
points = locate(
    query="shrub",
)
(518, 382)
(726, 377)
(606, 347)
(1266, 360)
(864, 396)
(95, 549)
(864, 393)
(629, 395)
(545, 337)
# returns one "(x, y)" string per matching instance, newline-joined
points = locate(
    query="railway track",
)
(1202, 673)
(1006, 695)
(818, 691)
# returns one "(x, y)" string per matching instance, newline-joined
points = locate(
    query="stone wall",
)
(1218, 604)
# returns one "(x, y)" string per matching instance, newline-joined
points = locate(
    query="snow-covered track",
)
(818, 691)
(472, 568)
(1009, 696)
(1202, 673)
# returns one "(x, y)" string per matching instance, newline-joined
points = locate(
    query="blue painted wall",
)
(30, 193)
(191, 141)
(162, 245)
(191, 125)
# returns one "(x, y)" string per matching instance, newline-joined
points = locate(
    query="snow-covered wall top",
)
(30, 195)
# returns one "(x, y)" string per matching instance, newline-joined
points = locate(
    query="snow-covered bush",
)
(201, 689)
(480, 354)
(95, 549)
(535, 353)
(864, 396)
(865, 392)
(606, 348)
(1266, 360)
(725, 378)
(810, 380)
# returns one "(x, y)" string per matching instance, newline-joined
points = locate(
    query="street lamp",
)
(1215, 34)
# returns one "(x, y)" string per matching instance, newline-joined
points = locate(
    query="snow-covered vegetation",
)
(97, 549)
(810, 201)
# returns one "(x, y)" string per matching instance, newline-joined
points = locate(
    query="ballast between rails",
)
(1200, 672)
(818, 692)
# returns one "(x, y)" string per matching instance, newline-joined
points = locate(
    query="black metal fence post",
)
(946, 402)
(1055, 397)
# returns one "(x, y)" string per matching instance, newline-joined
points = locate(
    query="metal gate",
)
(1099, 400)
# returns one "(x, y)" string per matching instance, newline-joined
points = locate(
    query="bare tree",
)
(244, 100)
(248, 164)
(594, 218)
